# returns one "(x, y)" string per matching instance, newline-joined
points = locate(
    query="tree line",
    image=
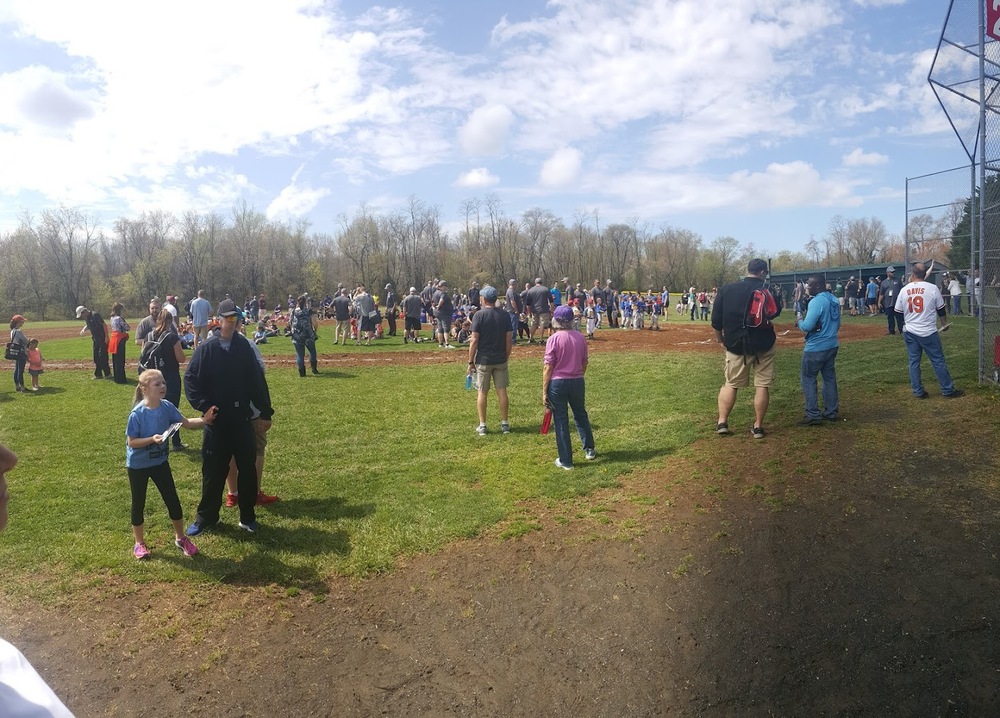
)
(61, 257)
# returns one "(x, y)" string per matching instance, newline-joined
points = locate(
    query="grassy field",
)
(375, 463)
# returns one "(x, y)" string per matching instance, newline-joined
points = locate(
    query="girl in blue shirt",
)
(146, 454)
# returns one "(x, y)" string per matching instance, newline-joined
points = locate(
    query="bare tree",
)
(66, 239)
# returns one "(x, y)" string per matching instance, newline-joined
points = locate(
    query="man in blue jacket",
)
(821, 325)
(224, 377)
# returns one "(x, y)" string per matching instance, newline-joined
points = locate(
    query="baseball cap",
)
(80, 310)
(17, 318)
(511, 281)
(563, 313)
(412, 289)
(388, 286)
(489, 293)
(227, 308)
(890, 270)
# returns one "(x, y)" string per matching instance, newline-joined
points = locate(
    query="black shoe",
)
(922, 395)
(315, 370)
(831, 418)
(722, 428)
(955, 394)
(810, 422)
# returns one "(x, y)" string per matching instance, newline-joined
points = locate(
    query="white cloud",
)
(295, 200)
(478, 178)
(485, 132)
(562, 168)
(790, 184)
(859, 158)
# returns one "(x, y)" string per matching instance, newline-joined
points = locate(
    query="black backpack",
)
(302, 329)
(149, 358)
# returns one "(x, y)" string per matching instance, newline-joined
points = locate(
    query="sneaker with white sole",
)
(198, 527)
(186, 545)
(590, 454)
(249, 528)
(757, 432)
(722, 428)
(561, 465)
(481, 429)
(504, 427)
(140, 551)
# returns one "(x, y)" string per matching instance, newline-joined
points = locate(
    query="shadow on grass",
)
(264, 564)
(631, 456)
(332, 374)
(46, 390)
(323, 509)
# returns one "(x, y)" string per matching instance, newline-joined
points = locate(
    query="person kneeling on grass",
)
(147, 454)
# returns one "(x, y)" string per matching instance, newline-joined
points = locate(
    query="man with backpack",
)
(741, 317)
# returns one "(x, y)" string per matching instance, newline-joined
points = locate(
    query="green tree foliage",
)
(960, 254)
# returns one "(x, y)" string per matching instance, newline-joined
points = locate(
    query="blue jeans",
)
(19, 364)
(932, 347)
(815, 364)
(956, 304)
(564, 393)
(513, 326)
(300, 354)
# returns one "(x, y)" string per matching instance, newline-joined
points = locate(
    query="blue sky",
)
(758, 119)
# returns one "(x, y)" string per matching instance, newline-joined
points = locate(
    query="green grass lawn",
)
(374, 462)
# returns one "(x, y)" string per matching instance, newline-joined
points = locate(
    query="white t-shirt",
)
(955, 288)
(23, 693)
(918, 302)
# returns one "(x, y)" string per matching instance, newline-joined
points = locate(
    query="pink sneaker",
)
(186, 545)
(140, 551)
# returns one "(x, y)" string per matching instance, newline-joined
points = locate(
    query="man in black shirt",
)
(749, 350)
(489, 350)
(342, 314)
(99, 336)
(539, 301)
(391, 309)
(223, 377)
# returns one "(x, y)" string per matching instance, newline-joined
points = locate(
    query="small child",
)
(34, 363)
(260, 336)
(146, 456)
(465, 333)
(591, 314)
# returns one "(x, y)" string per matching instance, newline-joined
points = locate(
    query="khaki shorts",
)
(498, 373)
(343, 328)
(545, 320)
(739, 368)
(259, 437)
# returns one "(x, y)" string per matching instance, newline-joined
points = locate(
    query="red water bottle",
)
(546, 421)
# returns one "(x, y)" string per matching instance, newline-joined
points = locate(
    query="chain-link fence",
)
(965, 77)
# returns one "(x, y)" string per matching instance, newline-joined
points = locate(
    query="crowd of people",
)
(224, 378)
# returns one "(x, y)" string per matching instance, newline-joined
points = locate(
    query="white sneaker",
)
(591, 454)
(481, 430)
(561, 465)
